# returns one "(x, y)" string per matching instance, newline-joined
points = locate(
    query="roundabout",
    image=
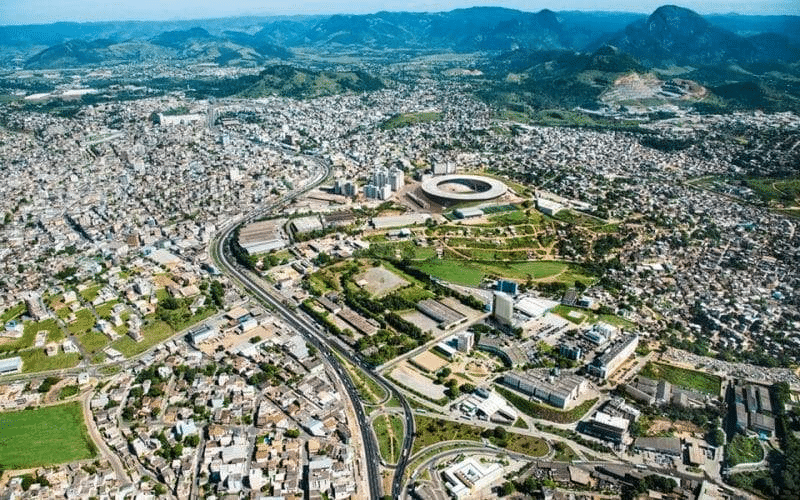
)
(458, 188)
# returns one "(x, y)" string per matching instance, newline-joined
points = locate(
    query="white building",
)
(469, 477)
(503, 308)
(10, 365)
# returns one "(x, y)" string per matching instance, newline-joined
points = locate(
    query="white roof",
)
(535, 307)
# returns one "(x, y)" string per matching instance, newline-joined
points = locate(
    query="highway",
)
(317, 337)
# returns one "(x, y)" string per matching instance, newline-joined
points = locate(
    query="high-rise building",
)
(396, 179)
(503, 308)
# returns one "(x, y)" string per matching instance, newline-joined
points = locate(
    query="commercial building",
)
(202, 334)
(548, 207)
(534, 307)
(10, 365)
(503, 308)
(559, 392)
(612, 358)
(469, 476)
(607, 427)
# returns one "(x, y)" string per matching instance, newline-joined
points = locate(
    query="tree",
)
(292, 433)
(506, 489)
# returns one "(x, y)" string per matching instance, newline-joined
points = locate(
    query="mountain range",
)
(669, 36)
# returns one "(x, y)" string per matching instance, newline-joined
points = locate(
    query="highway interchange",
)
(315, 336)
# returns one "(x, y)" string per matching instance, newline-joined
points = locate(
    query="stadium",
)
(450, 189)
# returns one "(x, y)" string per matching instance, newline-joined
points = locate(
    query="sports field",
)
(44, 436)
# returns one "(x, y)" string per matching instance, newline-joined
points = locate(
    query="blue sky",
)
(47, 11)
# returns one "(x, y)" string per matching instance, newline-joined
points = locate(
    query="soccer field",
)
(44, 436)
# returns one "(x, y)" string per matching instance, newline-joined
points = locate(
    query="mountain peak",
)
(673, 18)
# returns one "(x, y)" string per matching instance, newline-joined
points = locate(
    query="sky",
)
(48, 11)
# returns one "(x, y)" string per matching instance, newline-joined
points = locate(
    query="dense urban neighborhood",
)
(393, 287)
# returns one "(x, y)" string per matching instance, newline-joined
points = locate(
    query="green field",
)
(682, 377)
(104, 310)
(44, 436)
(93, 341)
(430, 431)
(12, 312)
(153, 333)
(90, 293)
(544, 412)
(390, 444)
(84, 322)
(471, 273)
(782, 190)
(35, 360)
(406, 119)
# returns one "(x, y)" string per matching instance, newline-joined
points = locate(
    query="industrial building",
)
(202, 334)
(261, 237)
(306, 224)
(664, 445)
(10, 365)
(612, 358)
(445, 316)
(559, 392)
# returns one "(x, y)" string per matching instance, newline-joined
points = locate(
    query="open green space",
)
(563, 453)
(471, 273)
(44, 436)
(84, 322)
(781, 190)
(390, 436)
(35, 360)
(430, 431)
(93, 341)
(13, 313)
(104, 310)
(683, 377)
(589, 316)
(90, 293)
(743, 450)
(406, 119)
(68, 391)
(544, 412)
(29, 332)
(153, 333)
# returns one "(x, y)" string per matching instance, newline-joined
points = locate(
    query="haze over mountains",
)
(671, 35)
(530, 59)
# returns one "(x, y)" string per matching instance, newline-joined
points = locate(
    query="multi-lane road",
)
(315, 335)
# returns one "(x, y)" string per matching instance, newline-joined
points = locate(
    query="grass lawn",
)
(44, 436)
(544, 412)
(682, 377)
(90, 293)
(54, 333)
(84, 322)
(93, 341)
(13, 312)
(431, 431)
(389, 444)
(35, 360)
(471, 273)
(155, 332)
(104, 310)
(743, 449)
(406, 119)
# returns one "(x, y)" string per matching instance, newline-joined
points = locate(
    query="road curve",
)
(313, 333)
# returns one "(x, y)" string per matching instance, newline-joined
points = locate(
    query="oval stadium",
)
(458, 188)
